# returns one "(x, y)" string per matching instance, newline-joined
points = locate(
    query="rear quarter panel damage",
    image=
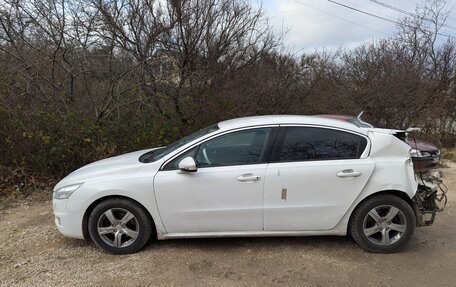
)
(393, 171)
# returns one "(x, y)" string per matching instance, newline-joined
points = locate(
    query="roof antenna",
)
(359, 115)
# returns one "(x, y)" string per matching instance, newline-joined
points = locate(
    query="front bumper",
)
(68, 223)
(430, 198)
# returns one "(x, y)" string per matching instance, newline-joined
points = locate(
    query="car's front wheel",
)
(119, 226)
(382, 224)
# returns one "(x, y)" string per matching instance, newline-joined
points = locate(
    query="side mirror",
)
(188, 164)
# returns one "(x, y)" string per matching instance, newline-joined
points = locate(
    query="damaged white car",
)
(256, 176)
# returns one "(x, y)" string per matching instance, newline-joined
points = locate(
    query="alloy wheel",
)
(384, 225)
(118, 227)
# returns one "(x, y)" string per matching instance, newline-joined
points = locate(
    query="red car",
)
(425, 155)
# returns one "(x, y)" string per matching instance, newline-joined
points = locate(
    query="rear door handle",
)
(348, 173)
(248, 177)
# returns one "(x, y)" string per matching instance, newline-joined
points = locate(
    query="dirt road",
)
(33, 253)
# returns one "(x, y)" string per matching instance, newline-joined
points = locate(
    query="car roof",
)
(337, 117)
(288, 119)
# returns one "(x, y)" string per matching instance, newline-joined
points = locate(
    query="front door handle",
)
(248, 177)
(348, 173)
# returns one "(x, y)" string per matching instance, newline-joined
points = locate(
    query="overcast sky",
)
(319, 23)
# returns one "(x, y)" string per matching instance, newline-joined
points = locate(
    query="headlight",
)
(66, 191)
(417, 153)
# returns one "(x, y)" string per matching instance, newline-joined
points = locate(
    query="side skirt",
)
(250, 234)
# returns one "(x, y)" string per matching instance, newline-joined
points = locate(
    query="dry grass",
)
(27, 195)
(449, 154)
(16, 186)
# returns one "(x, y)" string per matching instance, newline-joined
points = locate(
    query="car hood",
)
(421, 145)
(121, 164)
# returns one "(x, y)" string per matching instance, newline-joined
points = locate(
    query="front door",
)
(225, 193)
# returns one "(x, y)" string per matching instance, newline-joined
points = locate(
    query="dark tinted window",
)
(302, 143)
(236, 148)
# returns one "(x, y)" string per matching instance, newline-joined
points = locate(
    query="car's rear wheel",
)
(119, 226)
(382, 224)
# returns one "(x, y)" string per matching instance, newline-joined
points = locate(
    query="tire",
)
(382, 224)
(120, 226)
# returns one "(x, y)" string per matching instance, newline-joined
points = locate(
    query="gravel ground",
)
(33, 253)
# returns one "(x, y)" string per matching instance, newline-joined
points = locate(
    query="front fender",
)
(134, 188)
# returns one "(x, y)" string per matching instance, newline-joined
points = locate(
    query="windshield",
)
(159, 153)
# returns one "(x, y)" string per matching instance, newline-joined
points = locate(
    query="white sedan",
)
(255, 176)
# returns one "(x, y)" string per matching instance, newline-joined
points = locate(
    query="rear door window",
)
(311, 143)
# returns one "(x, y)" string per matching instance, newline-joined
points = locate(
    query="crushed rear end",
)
(430, 198)
(431, 195)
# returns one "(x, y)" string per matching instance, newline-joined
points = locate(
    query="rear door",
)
(314, 176)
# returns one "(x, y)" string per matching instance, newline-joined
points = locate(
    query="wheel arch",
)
(401, 194)
(88, 211)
